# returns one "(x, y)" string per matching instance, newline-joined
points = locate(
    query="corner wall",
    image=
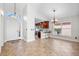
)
(30, 15)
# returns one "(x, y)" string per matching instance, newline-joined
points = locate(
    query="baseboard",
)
(66, 38)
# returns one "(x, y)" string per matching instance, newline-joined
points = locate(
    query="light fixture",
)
(54, 18)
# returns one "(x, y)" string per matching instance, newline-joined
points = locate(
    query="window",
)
(66, 29)
(63, 29)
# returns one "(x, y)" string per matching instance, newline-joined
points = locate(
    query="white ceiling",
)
(6, 7)
(62, 9)
(45, 10)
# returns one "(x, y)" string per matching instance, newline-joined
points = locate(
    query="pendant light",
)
(54, 20)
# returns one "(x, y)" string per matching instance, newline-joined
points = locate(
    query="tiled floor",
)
(40, 47)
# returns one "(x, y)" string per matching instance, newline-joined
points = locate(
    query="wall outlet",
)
(76, 37)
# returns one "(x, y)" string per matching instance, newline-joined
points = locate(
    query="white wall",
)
(30, 20)
(74, 25)
(24, 30)
(10, 29)
(1, 31)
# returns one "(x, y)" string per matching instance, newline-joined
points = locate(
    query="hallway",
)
(43, 47)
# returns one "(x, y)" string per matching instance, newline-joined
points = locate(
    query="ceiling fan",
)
(54, 18)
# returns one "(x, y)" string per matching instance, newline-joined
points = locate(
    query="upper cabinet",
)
(44, 24)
